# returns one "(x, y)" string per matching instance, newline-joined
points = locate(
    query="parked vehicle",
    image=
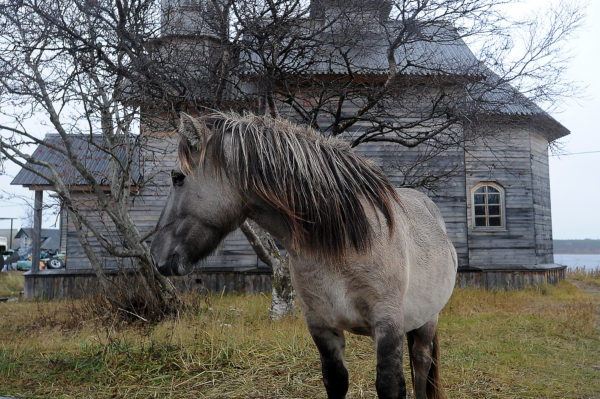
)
(24, 264)
(56, 262)
(48, 260)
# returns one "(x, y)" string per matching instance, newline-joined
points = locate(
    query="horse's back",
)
(429, 259)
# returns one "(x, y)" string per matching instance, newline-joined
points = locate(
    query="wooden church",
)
(493, 187)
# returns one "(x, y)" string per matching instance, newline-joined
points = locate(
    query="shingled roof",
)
(436, 50)
(92, 151)
(432, 50)
(50, 237)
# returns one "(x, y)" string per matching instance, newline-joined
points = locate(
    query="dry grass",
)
(11, 284)
(540, 342)
(585, 275)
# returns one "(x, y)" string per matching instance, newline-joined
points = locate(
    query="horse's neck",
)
(270, 220)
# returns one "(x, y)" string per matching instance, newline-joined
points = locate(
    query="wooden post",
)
(37, 231)
(11, 233)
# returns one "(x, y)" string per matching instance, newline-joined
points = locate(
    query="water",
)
(578, 260)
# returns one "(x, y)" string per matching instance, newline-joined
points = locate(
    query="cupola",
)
(190, 18)
(373, 10)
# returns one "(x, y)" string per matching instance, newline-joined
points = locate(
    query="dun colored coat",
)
(364, 257)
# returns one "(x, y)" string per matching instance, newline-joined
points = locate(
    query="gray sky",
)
(574, 179)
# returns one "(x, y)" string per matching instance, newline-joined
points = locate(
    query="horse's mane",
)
(318, 185)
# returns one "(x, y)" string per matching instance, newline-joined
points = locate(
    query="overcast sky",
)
(574, 179)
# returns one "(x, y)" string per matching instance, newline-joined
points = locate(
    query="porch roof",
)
(92, 151)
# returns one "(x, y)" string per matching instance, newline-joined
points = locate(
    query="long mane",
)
(318, 185)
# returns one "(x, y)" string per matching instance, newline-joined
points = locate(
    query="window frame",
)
(501, 205)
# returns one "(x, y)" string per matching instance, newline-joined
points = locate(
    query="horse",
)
(365, 257)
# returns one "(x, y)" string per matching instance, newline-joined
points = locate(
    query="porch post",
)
(37, 231)
(11, 233)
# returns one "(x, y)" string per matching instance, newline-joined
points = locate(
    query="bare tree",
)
(68, 64)
(379, 71)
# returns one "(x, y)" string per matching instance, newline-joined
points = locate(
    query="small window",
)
(488, 204)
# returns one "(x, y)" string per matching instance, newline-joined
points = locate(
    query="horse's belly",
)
(428, 293)
(325, 299)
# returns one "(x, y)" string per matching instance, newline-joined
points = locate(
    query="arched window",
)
(488, 206)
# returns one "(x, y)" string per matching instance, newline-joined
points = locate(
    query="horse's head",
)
(202, 206)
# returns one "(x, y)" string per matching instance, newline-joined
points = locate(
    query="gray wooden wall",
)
(63, 231)
(514, 156)
(76, 258)
(540, 175)
(501, 157)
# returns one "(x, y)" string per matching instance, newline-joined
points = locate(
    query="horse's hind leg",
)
(424, 357)
(331, 345)
(389, 341)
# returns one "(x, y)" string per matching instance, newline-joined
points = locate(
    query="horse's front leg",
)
(331, 345)
(389, 341)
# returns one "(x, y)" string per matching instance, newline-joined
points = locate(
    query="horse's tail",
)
(434, 388)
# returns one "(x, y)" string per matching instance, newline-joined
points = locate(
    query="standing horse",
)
(364, 257)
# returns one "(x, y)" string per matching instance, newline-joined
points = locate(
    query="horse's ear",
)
(193, 130)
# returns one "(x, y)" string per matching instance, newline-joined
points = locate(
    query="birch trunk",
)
(283, 301)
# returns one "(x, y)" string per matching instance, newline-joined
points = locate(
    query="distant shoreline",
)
(577, 247)
(578, 261)
(576, 253)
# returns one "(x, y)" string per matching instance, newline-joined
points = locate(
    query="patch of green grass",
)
(11, 284)
(539, 342)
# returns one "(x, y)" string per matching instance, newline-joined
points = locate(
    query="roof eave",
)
(550, 127)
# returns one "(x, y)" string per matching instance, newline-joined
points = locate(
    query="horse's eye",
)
(177, 178)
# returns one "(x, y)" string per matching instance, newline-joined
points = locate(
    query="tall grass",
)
(11, 283)
(585, 274)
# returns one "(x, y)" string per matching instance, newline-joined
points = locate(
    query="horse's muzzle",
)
(171, 267)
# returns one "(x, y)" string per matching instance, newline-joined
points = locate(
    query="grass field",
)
(536, 343)
(11, 284)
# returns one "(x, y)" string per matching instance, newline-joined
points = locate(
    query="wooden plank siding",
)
(510, 279)
(540, 175)
(63, 231)
(502, 157)
(76, 257)
(54, 284)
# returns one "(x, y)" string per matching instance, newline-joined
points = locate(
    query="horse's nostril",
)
(174, 261)
(171, 266)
